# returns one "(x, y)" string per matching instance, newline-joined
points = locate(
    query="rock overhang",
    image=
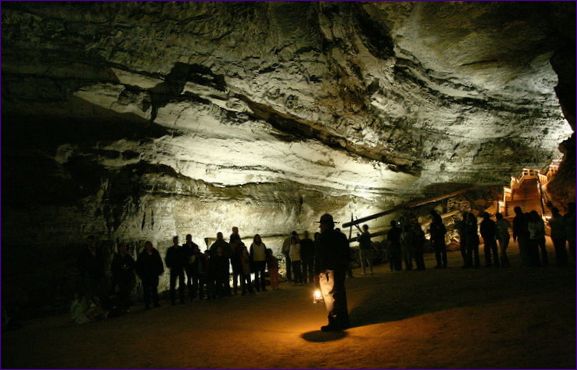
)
(371, 102)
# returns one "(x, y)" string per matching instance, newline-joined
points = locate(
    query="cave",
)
(139, 121)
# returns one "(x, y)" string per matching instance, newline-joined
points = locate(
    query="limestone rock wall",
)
(136, 121)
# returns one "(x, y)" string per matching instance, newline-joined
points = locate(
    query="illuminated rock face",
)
(142, 120)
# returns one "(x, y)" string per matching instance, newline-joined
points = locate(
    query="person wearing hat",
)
(331, 262)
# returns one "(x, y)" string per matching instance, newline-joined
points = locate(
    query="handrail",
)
(408, 205)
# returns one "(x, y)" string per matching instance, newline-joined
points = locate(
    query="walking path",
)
(488, 317)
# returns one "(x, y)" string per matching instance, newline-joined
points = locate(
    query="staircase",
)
(529, 191)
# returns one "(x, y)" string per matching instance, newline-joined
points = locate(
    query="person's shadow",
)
(412, 293)
(323, 336)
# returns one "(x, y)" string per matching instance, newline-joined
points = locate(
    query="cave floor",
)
(483, 318)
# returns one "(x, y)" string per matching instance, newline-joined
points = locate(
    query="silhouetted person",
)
(236, 246)
(461, 228)
(91, 268)
(536, 228)
(295, 256)
(191, 252)
(286, 253)
(407, 244)
(503, 238)
(218, 271)
(438, 231)
(488, 230)
(175, 260)
(418, 240)
(521, 235)
(122, 269)
(331, 263)
(224, 257)
(557, 225)
(366, 250)
(307, 258)
(149, 267)
(394, 240)
(471, 240)
(258, 258)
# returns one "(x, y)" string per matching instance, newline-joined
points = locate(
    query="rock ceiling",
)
(147, 118)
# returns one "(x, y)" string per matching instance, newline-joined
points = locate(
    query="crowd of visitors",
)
(194, 274)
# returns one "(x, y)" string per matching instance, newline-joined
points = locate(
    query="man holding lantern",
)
(331, 263)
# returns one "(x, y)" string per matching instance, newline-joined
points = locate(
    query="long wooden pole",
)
(409, 205)
(425, 224)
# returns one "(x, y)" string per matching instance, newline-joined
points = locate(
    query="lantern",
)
(317, 296)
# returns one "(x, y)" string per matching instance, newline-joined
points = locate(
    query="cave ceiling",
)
(292, 108)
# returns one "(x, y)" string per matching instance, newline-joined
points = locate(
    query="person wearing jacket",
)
(438, 231)
(175, 260)
(331, 263)
(488, 229)
(149, 268)
(191, 253)
(258, 261)
(122, 269)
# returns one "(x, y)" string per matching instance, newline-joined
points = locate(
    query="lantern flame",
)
(317, 296)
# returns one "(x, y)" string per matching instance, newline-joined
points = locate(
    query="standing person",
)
(472, 240)
(295, 257)
(258, 258)
(191, 251)
(218, 272)
(461, 227)
(366, 250)
(331, 263)
(394, 239)
(557, 226)
(418, 240)
(438, 231)
(176, 260)
(236, 246)
(272, 267)
(123, 279)
(227, 253)
(407, 244)
(91, 268)
(503, 237)
(488, 230)
(521, 235)
(286, 245)
(569, 220)
(149, 267)
(536, 228)
(307, 257)
(245, 262)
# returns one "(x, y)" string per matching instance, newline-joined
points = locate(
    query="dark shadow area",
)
(175, 81)
(414, 293)
(321, 336)
(29, 144)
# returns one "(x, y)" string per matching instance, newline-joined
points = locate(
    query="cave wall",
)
(138, 121)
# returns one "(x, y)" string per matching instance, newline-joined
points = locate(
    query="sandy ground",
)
(516, 317)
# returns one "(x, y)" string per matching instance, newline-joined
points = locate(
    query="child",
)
(272, 267)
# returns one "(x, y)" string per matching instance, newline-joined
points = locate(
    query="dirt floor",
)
(481, 318)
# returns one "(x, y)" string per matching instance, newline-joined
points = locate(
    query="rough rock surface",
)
(138, 121)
